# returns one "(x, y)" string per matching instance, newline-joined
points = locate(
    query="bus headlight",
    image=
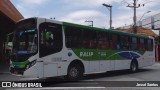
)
(27, 66)
(11, 65)
(31, 64)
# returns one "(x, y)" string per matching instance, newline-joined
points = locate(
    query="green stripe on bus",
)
(97, 54)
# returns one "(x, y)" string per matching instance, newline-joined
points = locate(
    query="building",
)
(141, 30)
(9, 15)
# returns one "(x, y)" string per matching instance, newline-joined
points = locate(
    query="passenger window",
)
(73, 37)
(150, 45)
(102, 40)
(124, 42)
(89, 39)
(142, 44)
(114, 41)
(134, 43)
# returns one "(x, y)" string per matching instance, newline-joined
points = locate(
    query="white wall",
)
(146, 21)
(157, 17)
(157, 25)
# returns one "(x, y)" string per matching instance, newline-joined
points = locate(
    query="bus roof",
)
(105, 30)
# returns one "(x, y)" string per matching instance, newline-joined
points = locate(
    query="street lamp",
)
(91, 22)
(144, 14)
(110, 9)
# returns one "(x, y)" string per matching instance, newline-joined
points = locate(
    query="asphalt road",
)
(102, 81)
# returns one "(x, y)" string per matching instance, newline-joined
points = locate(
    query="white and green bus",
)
(48, 48)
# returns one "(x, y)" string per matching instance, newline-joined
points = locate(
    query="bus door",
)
(50, 46)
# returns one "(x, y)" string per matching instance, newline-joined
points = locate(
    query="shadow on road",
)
(114, 73)
(59, 81)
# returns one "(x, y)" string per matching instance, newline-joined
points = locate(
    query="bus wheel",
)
(75, 72)
(133, 66)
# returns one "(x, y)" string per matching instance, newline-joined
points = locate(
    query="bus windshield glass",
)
(25, 40)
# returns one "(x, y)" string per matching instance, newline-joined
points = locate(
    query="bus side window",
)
(88, 39)
(134, 43)
(109, 39)
(127, 43)
(150, 44)
(73, 37)
(101, 40)
(142, 44)
(93, 39)
(113, 43)
(106, 40)
(145, 44)
(50, 38)
(118, 42)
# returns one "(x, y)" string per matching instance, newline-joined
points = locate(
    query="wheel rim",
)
(133, 67)
(74, 72)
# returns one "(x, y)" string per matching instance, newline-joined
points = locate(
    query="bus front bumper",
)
(29, 73)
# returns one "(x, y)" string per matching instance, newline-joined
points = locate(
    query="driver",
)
(49, 39)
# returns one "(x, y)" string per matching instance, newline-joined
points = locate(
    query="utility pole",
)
(134, 17)
(110, 9)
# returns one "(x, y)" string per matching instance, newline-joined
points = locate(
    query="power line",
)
(125, 1)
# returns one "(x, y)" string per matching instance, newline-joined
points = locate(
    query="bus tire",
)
(133, 66)
(75, 72)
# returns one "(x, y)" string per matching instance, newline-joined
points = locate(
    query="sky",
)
(78, 11)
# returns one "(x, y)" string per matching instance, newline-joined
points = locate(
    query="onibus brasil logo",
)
(21, 85)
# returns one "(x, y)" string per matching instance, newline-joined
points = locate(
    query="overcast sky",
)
(78, 11)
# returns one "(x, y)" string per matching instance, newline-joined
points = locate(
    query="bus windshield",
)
(25, 41)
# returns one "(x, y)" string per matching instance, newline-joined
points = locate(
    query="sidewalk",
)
(157, 64)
